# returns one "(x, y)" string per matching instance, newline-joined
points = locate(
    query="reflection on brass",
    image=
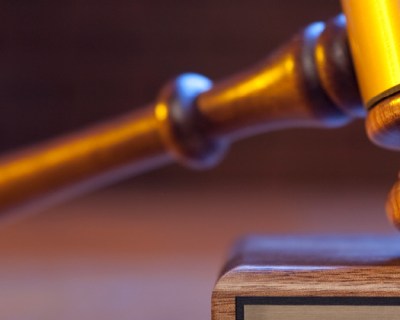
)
(374, 34)
(81, 161)
(308, 82)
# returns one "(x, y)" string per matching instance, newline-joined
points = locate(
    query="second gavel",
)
(323, 77)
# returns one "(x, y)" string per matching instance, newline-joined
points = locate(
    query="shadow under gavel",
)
(310, 82)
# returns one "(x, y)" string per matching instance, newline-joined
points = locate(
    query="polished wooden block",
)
(325, 278)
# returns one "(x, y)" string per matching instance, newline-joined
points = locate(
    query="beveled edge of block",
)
(326, 266)
(314, 251)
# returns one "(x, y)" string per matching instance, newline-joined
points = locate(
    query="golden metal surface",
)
(374, 34)
(284, 91)
(81, 161)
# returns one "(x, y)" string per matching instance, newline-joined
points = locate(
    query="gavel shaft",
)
(309, 82)
(81, 161)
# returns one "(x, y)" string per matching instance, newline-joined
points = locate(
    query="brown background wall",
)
(65, 64)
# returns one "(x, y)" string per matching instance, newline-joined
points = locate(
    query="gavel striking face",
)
(310, 82)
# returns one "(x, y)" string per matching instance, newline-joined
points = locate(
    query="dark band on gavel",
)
(309, 82)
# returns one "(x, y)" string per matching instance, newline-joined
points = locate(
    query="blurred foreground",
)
(135, 252)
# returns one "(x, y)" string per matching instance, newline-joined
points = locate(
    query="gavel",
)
(309, 82)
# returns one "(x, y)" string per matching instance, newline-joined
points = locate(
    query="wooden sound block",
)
(310, 278)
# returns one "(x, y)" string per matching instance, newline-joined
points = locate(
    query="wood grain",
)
(308, 267)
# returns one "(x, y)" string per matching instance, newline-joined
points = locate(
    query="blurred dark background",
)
(68, 64)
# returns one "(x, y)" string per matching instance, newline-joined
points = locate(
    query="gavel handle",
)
(309, 82)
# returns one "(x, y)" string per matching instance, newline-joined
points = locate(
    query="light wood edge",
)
(382, 281)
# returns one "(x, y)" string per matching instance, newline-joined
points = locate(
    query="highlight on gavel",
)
(309, 82)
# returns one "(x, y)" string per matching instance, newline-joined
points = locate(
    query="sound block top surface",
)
(315, 271)
(261, 251)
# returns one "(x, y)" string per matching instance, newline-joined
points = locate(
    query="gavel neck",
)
(308, 82)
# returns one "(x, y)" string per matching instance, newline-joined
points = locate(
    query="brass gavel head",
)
(383, 123)
(374, 37)
(374, 34)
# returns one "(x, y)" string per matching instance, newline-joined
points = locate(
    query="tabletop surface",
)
(151, 253)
